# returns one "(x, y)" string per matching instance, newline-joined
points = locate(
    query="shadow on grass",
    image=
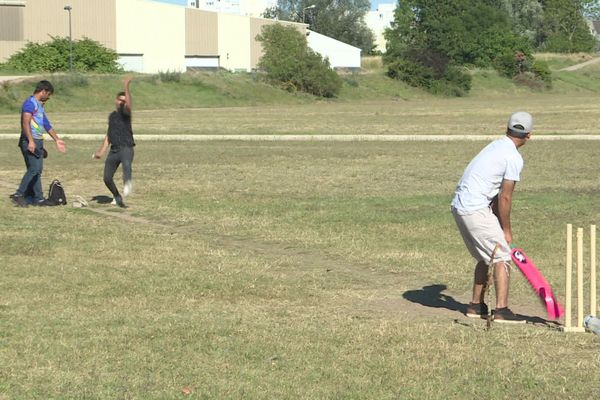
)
(432, 296)
(102, 199)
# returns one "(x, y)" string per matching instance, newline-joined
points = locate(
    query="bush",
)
(530, 80)
(541, 70)
(432, 73)
(170, 76)
(518, 67)
(288, 62)
(507, 65)
(53, 56)
(413, 73)
(457, 81)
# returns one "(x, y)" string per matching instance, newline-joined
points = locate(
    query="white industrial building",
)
(378, 21)
(249, 8)
(340, 55)
(151, 36)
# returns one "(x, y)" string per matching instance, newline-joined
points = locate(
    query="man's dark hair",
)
(43, 85)
(120, 94)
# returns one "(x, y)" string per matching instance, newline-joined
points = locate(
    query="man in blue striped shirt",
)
(34, 123)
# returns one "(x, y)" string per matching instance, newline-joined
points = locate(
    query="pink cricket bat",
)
(538, 283)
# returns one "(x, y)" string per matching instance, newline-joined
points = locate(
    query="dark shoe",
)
(477, 310)
(506, 316)
(19, 201)
(119, 202)
(43, 203)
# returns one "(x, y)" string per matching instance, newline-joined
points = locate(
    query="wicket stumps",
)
(568, 327)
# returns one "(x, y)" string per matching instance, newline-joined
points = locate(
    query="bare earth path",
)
(582, 65)
(11, 78)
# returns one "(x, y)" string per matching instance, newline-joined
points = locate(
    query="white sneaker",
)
(113, 202)
(127, 188)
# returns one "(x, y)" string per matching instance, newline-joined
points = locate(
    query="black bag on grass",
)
(56, 194)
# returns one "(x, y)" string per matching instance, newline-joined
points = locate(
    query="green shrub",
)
(507, 66)
(517, 66)
(170, 76)
(530, 80)
(53, 56)
(411, 72)
(351, 82)
(433, 74)
(89, 55)
(541, 70)
(288, 62)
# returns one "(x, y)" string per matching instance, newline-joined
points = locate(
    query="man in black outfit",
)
(120, 138)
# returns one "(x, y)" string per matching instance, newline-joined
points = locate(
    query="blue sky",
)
(374, 3)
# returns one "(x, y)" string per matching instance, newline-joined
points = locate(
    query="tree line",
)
(432, 42)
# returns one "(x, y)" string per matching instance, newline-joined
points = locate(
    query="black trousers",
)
(116, 157)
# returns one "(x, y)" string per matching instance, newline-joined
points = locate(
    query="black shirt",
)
(120, 133)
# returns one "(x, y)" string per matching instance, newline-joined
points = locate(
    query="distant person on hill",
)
(34, 123)
(481, 208)
(120, 138)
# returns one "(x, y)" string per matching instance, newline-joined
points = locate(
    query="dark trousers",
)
(31, 183)
(116, 157)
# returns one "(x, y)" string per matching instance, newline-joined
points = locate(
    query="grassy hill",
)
(223, 89)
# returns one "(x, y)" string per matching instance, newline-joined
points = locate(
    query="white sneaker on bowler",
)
(127, 188)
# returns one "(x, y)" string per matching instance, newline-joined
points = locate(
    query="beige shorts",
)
(481, 231)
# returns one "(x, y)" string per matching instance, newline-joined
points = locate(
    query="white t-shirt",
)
(481, 180)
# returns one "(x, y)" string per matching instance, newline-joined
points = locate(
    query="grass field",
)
(284, 270)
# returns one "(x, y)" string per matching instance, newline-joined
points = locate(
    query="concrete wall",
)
(39, 20)
(153, 29)
(340, 55)
(11, 22)
(201, 33)
(234, 42)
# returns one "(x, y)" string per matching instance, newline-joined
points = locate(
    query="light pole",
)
(69, 8)
(304, 11)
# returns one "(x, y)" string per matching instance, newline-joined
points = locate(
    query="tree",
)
(527, 17)
(340, 19)
(468, 32)
(431, 40)
(565, 29)
(591, 9)
(554, 25)
(288, 61)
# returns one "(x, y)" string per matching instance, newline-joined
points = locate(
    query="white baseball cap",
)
(520, 123)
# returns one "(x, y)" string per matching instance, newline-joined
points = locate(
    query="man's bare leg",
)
(502, 279)
(479, 282)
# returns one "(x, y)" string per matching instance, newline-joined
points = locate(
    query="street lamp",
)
(69, 8)
(304, 11)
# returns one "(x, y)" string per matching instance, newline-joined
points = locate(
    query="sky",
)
(374, 3)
